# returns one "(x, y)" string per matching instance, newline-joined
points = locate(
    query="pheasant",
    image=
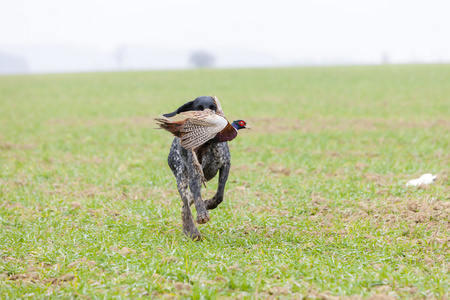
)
(200, 128)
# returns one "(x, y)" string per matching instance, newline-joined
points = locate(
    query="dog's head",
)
(200, 103)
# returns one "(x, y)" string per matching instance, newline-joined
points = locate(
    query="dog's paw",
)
(196, 237)
(192, 232)
(213, 202)
(202, 218)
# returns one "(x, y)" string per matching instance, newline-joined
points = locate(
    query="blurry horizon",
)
(51, 36)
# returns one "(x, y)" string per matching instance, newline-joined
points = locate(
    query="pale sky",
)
(405, 30)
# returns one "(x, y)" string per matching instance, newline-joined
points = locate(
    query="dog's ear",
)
(185, 107)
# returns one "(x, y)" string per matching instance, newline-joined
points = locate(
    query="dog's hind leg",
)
(218, 197)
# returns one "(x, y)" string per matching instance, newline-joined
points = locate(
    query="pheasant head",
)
(240, 124)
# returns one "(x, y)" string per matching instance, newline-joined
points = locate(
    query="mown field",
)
(315, 207)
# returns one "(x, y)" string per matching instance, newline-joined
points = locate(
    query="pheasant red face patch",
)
(241, 123)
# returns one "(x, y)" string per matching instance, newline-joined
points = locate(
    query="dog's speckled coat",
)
(215, 158)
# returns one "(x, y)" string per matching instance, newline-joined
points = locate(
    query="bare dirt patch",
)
(12, 146)
(280, 170)
(432, 215)
(80, 262)
(59, 280)
(33, 273)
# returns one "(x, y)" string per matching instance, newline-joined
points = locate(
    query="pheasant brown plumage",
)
(201, 127)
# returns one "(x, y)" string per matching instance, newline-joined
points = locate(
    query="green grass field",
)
(315, 206)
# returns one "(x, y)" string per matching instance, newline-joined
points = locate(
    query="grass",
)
(315, 206)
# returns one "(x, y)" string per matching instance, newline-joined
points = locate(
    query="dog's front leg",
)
(218, 197)
(195, 185)
(189, 228)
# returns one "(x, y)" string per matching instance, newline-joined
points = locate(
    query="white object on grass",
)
(424, 179)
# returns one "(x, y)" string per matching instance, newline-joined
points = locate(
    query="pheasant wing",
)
(200, 127)
(205, 117)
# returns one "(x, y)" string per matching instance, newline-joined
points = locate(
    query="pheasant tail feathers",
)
(169, 125)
